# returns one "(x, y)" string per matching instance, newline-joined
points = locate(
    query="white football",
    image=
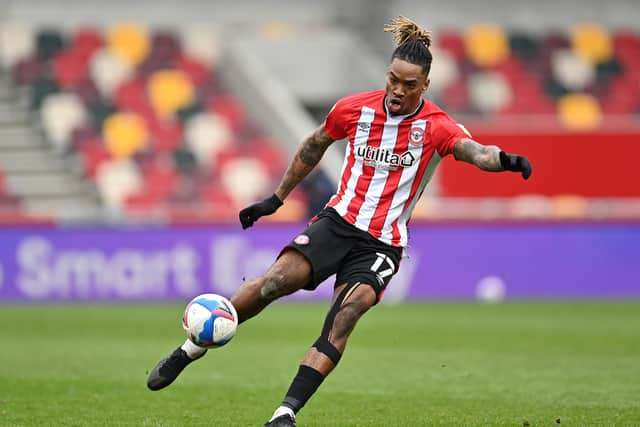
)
(210, 320)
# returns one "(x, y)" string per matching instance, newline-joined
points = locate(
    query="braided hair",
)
(412, 41)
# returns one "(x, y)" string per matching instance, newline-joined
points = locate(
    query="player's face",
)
(406, 82)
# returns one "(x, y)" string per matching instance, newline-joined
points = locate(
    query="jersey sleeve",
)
(445, 133)
(335, 123)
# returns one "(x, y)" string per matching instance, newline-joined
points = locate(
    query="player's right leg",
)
(290, 272)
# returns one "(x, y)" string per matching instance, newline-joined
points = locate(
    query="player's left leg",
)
(350, 302)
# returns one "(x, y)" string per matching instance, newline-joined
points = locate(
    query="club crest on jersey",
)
(302, 239)
(416, 136)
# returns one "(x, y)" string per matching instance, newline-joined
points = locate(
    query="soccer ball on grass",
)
(210, 320)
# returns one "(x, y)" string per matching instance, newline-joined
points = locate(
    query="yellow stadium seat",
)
(486, 45)
(130, 42)
(124, 134)
(579, 111)
(592, 42)
(169, 91)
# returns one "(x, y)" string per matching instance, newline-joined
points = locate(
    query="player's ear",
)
(426, 84)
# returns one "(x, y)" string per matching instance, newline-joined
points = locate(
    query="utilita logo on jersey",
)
(384, 159)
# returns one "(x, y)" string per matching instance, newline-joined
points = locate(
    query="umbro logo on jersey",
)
(384, 159)
(364, 126)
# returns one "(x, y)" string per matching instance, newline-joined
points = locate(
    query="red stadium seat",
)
(86, 41)
(93, 153)
(194, 68)
(452, 42)
(70, 69)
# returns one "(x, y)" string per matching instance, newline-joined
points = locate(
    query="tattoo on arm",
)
(486, 157)
(306, 158)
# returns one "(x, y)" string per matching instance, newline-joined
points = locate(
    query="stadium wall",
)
(489, 261)
(593, 164)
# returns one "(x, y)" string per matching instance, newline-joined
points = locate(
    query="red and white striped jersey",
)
(388, 161)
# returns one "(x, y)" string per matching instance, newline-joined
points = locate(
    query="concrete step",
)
(18, 137)
(13, 114)
(47, 184)
(65, 208)
(31, 160)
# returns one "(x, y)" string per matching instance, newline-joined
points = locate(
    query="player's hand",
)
(515, 163)
(250, 214)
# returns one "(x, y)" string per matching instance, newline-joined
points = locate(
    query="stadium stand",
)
(147, 119)
(577, 77)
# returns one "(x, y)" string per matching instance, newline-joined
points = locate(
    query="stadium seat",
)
(489, 92)
(486, 45)
(124, 134)
(197, 70)
(228, 108)
(169, 91)
(246, 179)
(165, 49)
(48, 43)
(93, 154)
(116, 181)
(27, 71)
(452, 42)
(579, 112)
(202, 43)
(17, 43)
(444, 71)
(592, 42)
(69, 69)
(166, 135)
(108, 71)
(571, 70)
(205, 135)
(86, 41)
(129, 42)
(61, 114)
(131, 96)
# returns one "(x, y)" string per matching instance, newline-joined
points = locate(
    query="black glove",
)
(515, 163)
(250, 214)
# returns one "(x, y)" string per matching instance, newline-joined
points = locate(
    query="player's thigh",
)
(372, 263)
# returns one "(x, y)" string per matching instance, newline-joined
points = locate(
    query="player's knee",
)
(289, 274)
(273, 286)
(351, 310)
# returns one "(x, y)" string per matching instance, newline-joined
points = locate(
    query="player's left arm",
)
(490, 157)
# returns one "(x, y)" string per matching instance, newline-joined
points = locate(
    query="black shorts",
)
(333, 246)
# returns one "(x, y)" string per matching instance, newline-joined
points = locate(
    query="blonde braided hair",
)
(404, 29)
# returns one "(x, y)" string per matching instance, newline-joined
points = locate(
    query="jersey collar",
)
(406, 116)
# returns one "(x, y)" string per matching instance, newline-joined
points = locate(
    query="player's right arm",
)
(306, 158)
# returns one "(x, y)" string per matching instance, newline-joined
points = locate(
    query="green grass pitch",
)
(432, 364)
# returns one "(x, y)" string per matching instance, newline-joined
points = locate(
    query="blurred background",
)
(131, 133)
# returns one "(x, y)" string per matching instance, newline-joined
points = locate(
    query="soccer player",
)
(396, 138)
